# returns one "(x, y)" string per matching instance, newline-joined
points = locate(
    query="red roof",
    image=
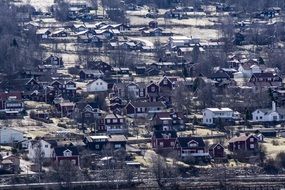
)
(6, 95)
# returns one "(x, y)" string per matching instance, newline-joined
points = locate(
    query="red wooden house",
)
(243, 143)
(68, 153)
(163, 139)
(190, 146)
(217, 151)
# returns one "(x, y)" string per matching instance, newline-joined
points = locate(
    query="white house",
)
(180, 41)
(212, 114)
(133, 90)
(9, 136)
(244, 72)
(98, 85)
(45, 148)
(269, 115)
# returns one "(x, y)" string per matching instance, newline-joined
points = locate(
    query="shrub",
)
(275, 142)
(270, 167)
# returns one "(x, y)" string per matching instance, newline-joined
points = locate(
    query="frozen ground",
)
(45, 4)
(39, 4)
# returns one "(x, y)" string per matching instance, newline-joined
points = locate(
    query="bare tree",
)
(66, 172)
(39, 157)
(61, 10)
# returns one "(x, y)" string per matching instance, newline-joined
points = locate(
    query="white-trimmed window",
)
(193, 145)
(252, 146)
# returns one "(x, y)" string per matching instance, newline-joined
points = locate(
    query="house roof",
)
(170, 115)
(220, 74)
(6, 95)
(99, 137)
(60, 150)
(183, 141)
(219, 109)
(240, 138)
(112, 115)
(160, 134)
(92, 72)
(53, 143)
(147, 104)
(214, 145)
(117, 138)
(264, 75)
(91, 82)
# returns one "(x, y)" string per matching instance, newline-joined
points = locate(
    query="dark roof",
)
(6, 95)
(91, 72)
(220, 74)
(214, 145)
(240, 138)
(53, 143)
(169, 114)
(147, 104)
(160, 134)
(183, 141)
(59, 150)
(264, 75)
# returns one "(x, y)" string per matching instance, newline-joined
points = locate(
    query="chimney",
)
(273, 106)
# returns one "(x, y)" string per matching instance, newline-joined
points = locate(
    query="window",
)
(165, 82)
(46, 146)
(100, 83)
(121, 120)
(256, 118)
(165, 122)
(251, 139)
(97, 146)
(200, 151)
(260, 117)
(108, 121)
(252, 146)
(118, 146)
(193, 145)
(67, 153)
(161, 144)
(152, 89)
(115, 120)
(172, 143)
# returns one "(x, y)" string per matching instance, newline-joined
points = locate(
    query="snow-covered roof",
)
(219, 109)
